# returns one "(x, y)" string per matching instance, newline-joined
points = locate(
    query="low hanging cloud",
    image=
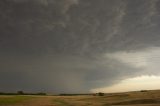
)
(76, 45)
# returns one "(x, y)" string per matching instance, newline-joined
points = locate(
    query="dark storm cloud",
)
(60, 45)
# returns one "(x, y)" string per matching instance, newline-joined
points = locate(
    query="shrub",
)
(20, 92)
(100, 94)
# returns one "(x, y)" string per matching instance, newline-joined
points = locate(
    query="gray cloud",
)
(60, 45)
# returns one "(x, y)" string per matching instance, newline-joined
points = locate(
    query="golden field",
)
(138, 98)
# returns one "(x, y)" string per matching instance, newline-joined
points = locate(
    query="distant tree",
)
(20, 92)
(100, 94)
(143, 91)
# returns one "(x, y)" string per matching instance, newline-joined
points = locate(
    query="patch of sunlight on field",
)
(10, 100)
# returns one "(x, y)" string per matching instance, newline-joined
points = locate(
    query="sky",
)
(79, 46)
(133, 84)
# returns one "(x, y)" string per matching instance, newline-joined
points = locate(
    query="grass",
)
(10, 100)
(115, 99)
(77, 101)
(139, 101)
(149, 98)
(61, 102)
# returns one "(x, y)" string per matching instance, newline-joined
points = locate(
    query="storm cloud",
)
(76, 45)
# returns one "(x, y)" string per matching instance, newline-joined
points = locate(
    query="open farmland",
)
(145, 98)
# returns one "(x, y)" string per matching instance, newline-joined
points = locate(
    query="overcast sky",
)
(70, 46)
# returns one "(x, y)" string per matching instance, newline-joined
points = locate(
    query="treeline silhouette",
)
(22, 93)
(94, 94)
(73, 94)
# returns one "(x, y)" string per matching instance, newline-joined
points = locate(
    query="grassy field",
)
(11, 100)
(147, 98)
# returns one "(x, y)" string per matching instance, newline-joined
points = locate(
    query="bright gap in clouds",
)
(147, 76)
(133, 84)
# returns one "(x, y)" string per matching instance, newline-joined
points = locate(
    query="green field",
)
(9, 100)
